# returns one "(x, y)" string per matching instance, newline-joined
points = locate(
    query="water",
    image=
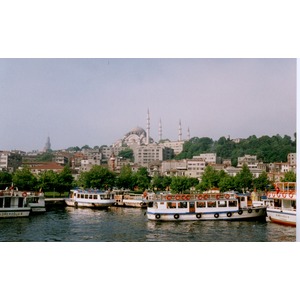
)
(119, 224)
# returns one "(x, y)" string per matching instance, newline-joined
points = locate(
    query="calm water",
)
(117, 224)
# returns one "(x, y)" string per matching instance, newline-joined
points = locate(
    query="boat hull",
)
(242, 214)
(15, 213)
(282, 217)
(102, 204)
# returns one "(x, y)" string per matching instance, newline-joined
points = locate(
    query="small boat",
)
(206, 206)
(133, 200)
(281, 206)
(36, 201)
(90, 198)
(13, 204)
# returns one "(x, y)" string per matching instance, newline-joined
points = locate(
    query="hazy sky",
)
(97, 101)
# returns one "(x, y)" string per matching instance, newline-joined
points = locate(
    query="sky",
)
(95, 102)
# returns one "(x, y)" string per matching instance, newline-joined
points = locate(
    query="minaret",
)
(179, 132)
(148, 128)
(188, 134)
(160, 130)
(47, 145)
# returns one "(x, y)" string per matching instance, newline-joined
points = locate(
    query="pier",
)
(55, 201)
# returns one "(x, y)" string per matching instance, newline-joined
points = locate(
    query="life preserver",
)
(205, 197)
(249, 210)
(284, 195)
(218, 196)
(240, 212)
(200, 197)
(227, 196)
(157, 216)
(24, 194)
(169, 197)
(176, 216)
(187, 197)
(291, 195)
(198, 216)
(257, 210)
(178, 197)
(216, 215)
(229, 214)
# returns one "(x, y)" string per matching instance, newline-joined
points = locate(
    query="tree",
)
(141, 178)
(126, 153)
(47, 181)
(226, 183)
(64, 180)
(98, 177)
(5, 180)
(262, 182)
(125, 178)
(210, 178)
(289, 176)
(244, 179)
(25, 180)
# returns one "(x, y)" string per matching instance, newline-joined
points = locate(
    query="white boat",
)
(90, 198)
(133, 200)
(214, 206)
(281, 207)
(36, 201)
(13, 204)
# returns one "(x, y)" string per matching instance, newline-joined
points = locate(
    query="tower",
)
(160, 130)
(148, 128)
(188, 134)
(47, 145)
(179, 132)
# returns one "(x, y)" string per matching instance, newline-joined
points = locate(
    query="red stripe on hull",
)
(282, 222)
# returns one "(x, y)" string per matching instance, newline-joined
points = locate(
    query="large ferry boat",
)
(13, 204)
(282, 203)
(125, 198)
(90, 198)
(206, 206)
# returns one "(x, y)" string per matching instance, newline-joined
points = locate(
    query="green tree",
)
(210, 178)
(244, 179)
(141, 178)
(289, 176)
(47, 181)
(126, 153)
(226, 183)
(125, 178)
(262, 182)
(65, 180)
(5, 180)
(25, 180)
(181, 184)
(98, 177)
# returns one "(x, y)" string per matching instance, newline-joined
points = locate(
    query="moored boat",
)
(13, 204)
(133, 200)
(90, 198)
(281, 207)
(187, 207)
(36, 201)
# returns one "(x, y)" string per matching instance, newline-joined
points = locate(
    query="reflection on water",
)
(120, 224)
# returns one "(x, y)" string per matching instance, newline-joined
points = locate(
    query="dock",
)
(55, 201)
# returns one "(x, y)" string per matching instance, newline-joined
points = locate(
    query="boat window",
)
(211, 204)
(7, 202)
(182, 204)
(201, 204)
(20, 202)
(95, 196)
(293, 204)
(90, 196)
(81, 196)
(277, 203)
(1, 202)
(222, 203)
(86, 196)
(232, 203)
(171, 205)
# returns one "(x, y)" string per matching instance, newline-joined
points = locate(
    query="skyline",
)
(96, 102)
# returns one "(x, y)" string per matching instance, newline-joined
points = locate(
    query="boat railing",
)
(194, 197)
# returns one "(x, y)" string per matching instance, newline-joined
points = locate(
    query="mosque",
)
(139, 137)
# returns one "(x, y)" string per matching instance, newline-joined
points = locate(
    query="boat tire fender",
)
(176, 216)
(157, 216)
(249, 210)
(229, 214)
(240, 212)
(216, 215)
(198, 216)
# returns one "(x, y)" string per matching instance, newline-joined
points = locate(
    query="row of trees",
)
(102, 178)
(265, 148)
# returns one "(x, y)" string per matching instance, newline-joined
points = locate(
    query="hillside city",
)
(137, 149)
